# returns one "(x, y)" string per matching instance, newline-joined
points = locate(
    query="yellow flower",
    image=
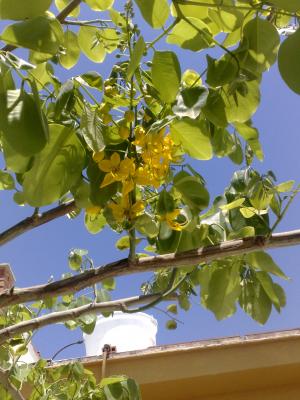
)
(140, 136)
(106, 118)
(129, 116)
(145, 176)
(124, 132)
(117, 170)
(122, 210)
(98, 156)
(170, 219)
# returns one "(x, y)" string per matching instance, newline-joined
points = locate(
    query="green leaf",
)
(222, 71)
(14, 9)
(100, 5)
(285, 186)
(81, 194)
(247, 231)
(166, 75)
(91, 79)
(255, 302)
(94, 223)
(224, 290)
(99, 197)
(117, 18)
(289, 61)
(194, 35)
(171, 324)
(109, 38)
(24, 125)
(192, 190)
(233, 204)
(193, 137)
(165, 231)
(113, 391)
(6, 181)
(288, 5)
(191, 78)
(42, 75)
(214, 109)
(146, 225)
(91, 129)
(190, 101)
(184, 302)
(190, 240)
(280, 294)
(261, 197)
(19, 198)
(102, 295)
(223, 142)
(55, 169)
(227, 20)
(263, 261)
(155, 12)
(14, 161)
(72, 50)
(89, 43)
(241, 100)
(87, 324)
(123, 243)
(64, 97)
(136, 57)
(109, 284)
(132, 388)
(246, 131)
(165, 203)
(268, 286)
(262, 41)
(42, 34)
(172, 308)
(75, 260)
(249, 212)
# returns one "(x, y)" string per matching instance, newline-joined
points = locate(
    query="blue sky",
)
(41, 253)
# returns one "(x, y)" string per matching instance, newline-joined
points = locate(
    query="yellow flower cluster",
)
(155, 152)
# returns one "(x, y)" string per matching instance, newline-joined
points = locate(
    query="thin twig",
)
(168, 314)
(65, 347)
(86, 23)
(154, 263)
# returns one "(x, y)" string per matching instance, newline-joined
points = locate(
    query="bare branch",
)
(61, 316)
(34, 221)
(60, 17)
(124, 267)
(4, 381)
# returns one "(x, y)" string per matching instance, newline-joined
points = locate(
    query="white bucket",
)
(125, 331)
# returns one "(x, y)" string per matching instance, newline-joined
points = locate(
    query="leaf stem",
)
(164, 33)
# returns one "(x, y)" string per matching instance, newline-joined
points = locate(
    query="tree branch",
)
(60, 17)
(125, 267)
(67, 10)
(4, 381)
(34, 221)
(62, 316)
